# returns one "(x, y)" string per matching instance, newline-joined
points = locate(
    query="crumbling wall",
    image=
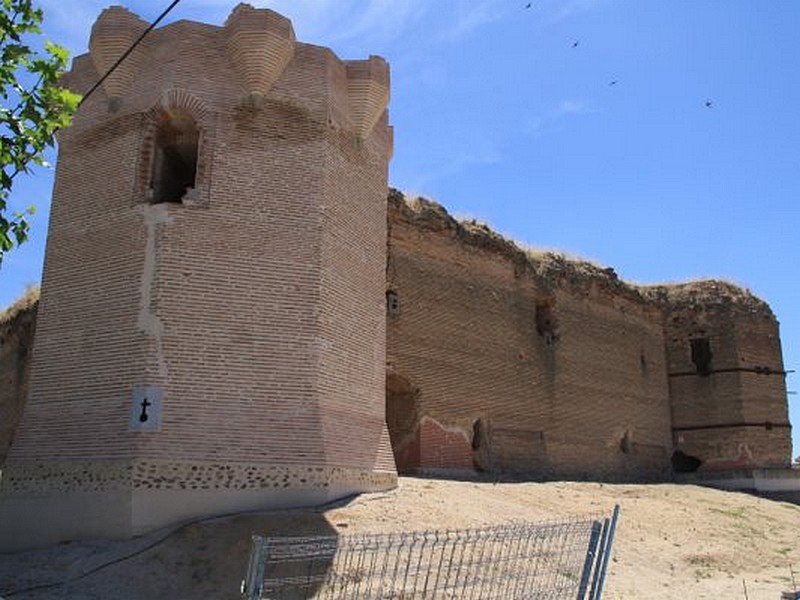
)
(16, 343)
(549, 367)
(726, 377)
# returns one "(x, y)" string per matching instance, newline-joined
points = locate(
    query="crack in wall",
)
(148, 322)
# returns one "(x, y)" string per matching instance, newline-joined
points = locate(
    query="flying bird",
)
(709, 103)
(575, 43)
(613, 82)
(528, 5)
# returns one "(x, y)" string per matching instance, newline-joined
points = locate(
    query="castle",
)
(234, 317)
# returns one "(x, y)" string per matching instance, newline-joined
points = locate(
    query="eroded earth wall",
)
(16, 344)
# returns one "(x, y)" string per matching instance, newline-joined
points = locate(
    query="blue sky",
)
(508, 114)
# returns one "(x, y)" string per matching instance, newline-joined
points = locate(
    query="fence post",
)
(589, 562)
(253, 582)
(599, 560)
(607, 551)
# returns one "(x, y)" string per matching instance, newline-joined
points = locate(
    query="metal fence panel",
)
(528, 560)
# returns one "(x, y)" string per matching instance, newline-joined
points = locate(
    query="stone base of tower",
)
(45, 504)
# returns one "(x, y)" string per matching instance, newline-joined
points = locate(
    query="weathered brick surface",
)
(16, 343)
(256, 305)
(259, 306)
(592, 397)
(737, 415)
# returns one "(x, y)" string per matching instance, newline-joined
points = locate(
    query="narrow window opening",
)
(701, 356)
(174, 158)
(392, 303)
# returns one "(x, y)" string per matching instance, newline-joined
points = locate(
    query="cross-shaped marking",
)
(144, 416)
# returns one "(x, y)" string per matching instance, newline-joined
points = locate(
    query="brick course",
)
(255, 305)
(258, 306)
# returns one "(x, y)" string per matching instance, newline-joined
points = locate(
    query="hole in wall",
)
(392, 303)
(546, 323)
(626, 443)
(477, 434)
(685, 463)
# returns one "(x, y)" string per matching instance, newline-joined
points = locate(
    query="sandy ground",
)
(673, 541)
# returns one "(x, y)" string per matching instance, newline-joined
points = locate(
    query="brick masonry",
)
(254, 304)
(555, 368)
(257, 307)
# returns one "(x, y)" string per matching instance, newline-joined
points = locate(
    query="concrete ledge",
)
(749, 480)
(35, 520)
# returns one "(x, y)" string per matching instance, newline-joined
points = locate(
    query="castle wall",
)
(611, 401)
(248, 343)
(224, 352)
(16, 343)
(587, 399)
(735, 415)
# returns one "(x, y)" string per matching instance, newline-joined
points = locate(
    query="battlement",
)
(258, 47)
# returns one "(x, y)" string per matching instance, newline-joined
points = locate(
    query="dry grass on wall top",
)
(550, 267)
(26, 302)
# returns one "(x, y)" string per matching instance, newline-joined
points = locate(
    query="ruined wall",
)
(16, 343)
(218, 348)
(544, 367)
(726, 377)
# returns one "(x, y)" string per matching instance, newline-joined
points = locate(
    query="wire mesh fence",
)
(531, 560)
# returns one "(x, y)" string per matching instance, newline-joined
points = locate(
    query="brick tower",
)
(211, 332)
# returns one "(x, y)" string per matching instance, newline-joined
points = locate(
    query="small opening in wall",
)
(546, 322)
(174, 157)
(626, 443)
(701, 356)
(392, 303)
(685, 463)
(477, 434)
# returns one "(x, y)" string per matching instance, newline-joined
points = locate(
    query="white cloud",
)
(567, 108)
(372, 23)
(572, 8)
(473, 16)
(446, 162)
(574, 107)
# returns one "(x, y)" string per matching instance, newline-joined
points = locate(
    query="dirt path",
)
(673, 541)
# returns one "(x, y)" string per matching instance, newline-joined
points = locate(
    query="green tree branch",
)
(31, 115)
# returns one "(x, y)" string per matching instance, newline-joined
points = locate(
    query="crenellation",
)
(261, 44)
(114, 32)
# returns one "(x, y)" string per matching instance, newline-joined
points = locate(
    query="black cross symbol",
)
(143, 417)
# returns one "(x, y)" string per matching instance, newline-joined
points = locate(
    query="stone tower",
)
(211, 332)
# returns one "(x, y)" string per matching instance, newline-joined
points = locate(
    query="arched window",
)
(174, 167)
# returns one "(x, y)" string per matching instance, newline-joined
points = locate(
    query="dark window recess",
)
(701, 356)
(392, 303)
(546, 323)
(174, 158)
(477, 434)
